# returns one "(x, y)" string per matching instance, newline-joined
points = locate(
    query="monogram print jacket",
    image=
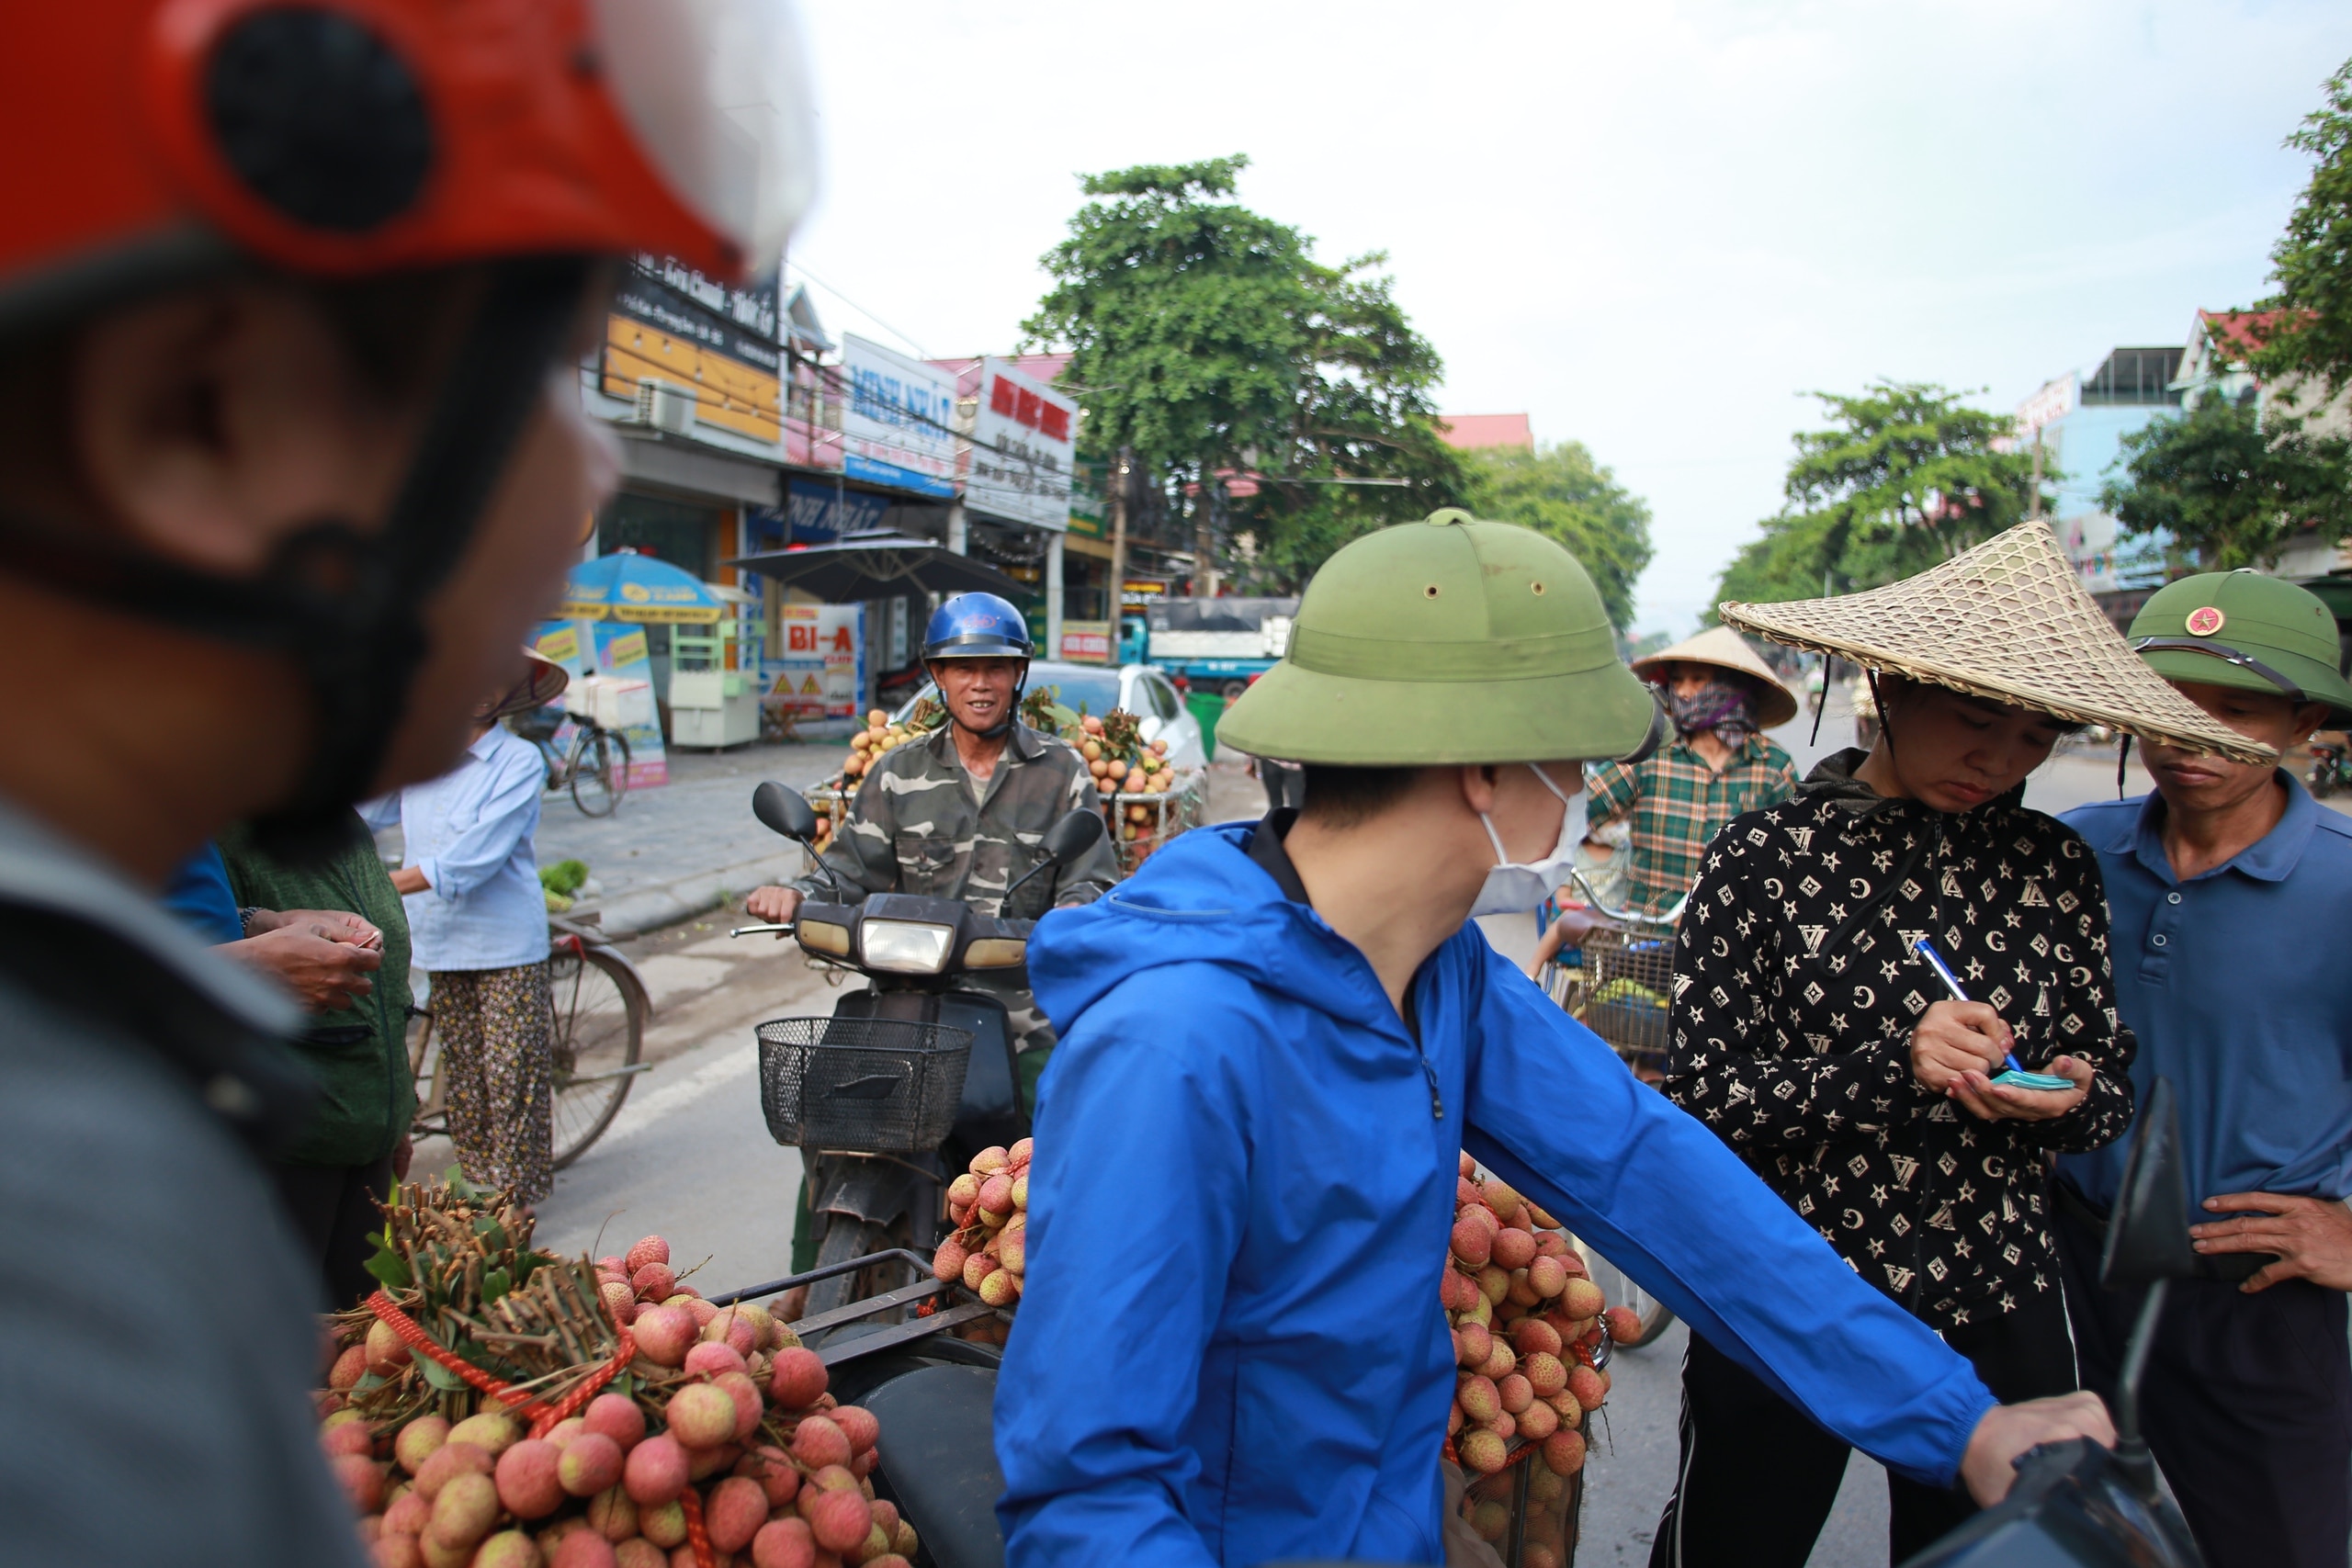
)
(1795, 992)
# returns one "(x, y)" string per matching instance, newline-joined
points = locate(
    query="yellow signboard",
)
(727, 391)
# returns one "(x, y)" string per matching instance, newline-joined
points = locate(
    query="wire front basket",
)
(1628, 989)
(865, 1085)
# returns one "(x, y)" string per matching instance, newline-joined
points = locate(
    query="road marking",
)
(643, 1112)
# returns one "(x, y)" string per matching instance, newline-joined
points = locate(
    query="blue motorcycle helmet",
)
(981, 626)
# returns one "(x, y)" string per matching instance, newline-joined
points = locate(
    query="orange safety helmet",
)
(160, 141)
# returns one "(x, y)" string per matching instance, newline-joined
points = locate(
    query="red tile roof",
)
(1470, 431)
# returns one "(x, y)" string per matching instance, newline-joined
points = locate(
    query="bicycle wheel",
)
(599, 1029)
(599, 772)
(1621, 1290)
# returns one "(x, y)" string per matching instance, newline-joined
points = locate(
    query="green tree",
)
(1211, 344)
(1907, 475)
(2218, 491)
(2311, 334)
(1561, 492)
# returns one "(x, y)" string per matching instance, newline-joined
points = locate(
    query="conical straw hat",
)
(2008, 621)
(1725, 650)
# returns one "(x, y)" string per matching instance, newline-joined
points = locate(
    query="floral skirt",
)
(496, 1028)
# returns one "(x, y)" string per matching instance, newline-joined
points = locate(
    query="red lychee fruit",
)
(582, 1549)
(711, 1357)
(996, 1195)
(1499, 1196)
(408, 1514)
(1582, 1299)
(701, 1417)
(783, 1543)
(748, 1406)
(1456, 1292)
(664, 1335)
(991, 1160)
(947, 1263)
(348, 1368)
(1530, 1335)
(362, 1479)
(654, 1282)
(527, 1479)
(1501, 1361)
(1513, 1249)
(592, 1463)
(508, 1549)
(1471, 1244)
(818, 1442)
(387, 1351)
(1570, 1413)
(465, 1511)
(1467, 1167)
(1495, 1284)
(612, 1514)
(489, 1431)
(1546, 1278)
(1624, 1324)
(656, 1471)
(736, 1510)
(663, 1524)
(447, 1462)
(1545, 1373)
(1564, 1452)
(1483, 1453)
(1538, 1421)
(1471, 1345)
(649, 1249)
(1587, 1387)
(800, 1378)
(977, 1267)
(1478, 1398)
(638, 1552)
(1515, 1392)
(858, 1425)
(617, 1418)
(839, 1520)
(620, 1301)
(348, 1437)
(397, 1549)
(1521, 1295)
(775, 1473)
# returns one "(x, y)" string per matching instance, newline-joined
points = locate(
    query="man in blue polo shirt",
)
(2231, 896)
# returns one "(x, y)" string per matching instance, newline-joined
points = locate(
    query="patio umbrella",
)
(878, 566)
(627, 586)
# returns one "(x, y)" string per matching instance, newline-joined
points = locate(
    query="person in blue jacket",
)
(1277, 1039)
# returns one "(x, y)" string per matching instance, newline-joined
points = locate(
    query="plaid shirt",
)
(1679, 805)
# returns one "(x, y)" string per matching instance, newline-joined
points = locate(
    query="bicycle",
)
(601, 1010)
(1621, 992)
(595, 768)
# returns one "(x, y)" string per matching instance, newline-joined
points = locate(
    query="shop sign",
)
(1086, 642)
(897, 419)
(738, 323)
(821, 667)
(818, 514)
(623, 655)
(1023, 448)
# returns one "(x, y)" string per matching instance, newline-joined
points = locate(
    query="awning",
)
(878, 566)
(626, 586)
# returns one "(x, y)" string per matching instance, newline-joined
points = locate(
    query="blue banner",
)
(877, 473)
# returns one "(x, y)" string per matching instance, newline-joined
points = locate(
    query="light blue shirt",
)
(2235, 982)
(469, 832)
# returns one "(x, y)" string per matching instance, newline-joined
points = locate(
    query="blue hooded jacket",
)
(1230, 1347)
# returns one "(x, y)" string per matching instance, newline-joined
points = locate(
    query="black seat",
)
(939, 1459)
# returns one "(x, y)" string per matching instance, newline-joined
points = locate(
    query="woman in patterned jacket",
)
(1809, 1035)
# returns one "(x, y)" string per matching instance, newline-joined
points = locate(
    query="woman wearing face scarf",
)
(1808, 1036)
(1718, 765)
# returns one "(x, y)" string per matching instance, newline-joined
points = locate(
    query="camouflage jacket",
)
(915, 828)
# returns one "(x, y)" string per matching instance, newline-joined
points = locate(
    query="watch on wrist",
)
(245, 918)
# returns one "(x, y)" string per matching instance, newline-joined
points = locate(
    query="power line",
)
(903, 336)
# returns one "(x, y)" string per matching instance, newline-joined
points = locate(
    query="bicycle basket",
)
(1629, 988)
(537, 724)
(871, 1085)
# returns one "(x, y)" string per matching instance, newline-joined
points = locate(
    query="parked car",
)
(1141, 689)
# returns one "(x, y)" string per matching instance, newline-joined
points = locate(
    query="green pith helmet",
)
(2243, 629)
(1446, 641)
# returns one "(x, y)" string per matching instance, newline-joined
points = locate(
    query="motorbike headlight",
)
(819, 936)
(996, 952)
(905, 947)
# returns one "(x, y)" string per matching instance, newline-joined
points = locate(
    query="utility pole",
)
(2033, 506)
(1119, 466)
(1205, 536)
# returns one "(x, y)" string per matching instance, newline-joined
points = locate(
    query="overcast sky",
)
(1654, 226)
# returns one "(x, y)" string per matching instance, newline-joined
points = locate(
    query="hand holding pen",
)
(1965, 1051)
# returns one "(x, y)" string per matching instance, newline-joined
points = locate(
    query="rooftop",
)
(1472, 430)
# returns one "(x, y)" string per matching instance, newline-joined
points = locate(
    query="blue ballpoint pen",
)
(1952, 983)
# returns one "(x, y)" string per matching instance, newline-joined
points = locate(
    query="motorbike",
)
(2331, 769)
(909, 1078)
(2076, 1504)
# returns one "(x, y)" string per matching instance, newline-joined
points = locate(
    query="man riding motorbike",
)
(959, 815)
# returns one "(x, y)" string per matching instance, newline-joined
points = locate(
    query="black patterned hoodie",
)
(1795, 992)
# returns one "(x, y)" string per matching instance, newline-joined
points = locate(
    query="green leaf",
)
(439, 1376)
(391, 1268)
(494, 1284)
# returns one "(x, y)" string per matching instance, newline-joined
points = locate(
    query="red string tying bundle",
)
(543, 1417)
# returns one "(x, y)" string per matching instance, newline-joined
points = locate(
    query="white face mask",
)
(1514, 887)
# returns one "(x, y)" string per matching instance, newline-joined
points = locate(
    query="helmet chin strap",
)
(348, 607)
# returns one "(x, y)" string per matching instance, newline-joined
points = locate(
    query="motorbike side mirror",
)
(781, 811)
(1076, 833)
(2148, 1238)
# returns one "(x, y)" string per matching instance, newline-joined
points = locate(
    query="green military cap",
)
(2243, 629)
(1446, 641)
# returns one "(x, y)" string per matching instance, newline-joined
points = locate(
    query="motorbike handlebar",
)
(775, 927)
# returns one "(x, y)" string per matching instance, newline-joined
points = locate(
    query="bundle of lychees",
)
(989, 1207)
(716, 1446)
(1526, 1320)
